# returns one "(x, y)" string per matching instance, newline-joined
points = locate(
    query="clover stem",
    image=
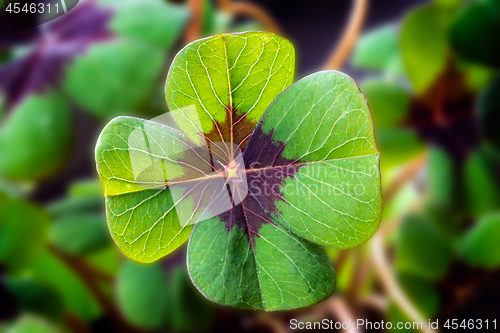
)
(251, 10)
(88, 275)
(392, 287)
(349, 36)
(407, 174)
(193, 29)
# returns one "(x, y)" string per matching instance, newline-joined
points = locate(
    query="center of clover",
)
(231, 171)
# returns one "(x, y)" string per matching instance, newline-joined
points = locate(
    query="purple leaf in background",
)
(58, 43)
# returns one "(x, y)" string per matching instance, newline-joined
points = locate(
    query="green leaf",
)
(139, 287)
(481, 183)
(78, 234)
(323, 124)
(474, 33)
(422, 250)
(187, 303)
(242, 73)
(378, 50)
(114, 78)
(281, 271)
(309, 173)
(31, 324)
(398, 145)
(480, 245)
(35, 297)
(314, 172)
(107, 259)
(254, 88)
(23, 232)
(442, 175)
(477, 77)
(422, 293)
(424, 45)
(447, 3)
(75, 294)
(73, 205)
(35, 139)
(85, 189)
(389, 102)
(489, 117)
(132, 155)
(156, 22)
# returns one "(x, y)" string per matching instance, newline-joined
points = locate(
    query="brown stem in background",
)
(341, 259)
(272, 323)
(75, 324)
(339, 309)
(81, 268)
(356, 282)
(251, 10)
(349, 36)
(376, 302)
(193, 29)
(390, 284)
(407, 174)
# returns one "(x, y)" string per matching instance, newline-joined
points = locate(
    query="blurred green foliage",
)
(447, 97)
(451, 241)
(35, 138)
(57, 261)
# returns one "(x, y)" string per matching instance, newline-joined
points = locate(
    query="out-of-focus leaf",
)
(422, 250)
(447, 3)
(389, 102)
(397, 145)
(62, 39)
(489, 115)
(481, 245)
(35, 139)
(79, 234)
(23, 232)
(75, 294)
(477, 77)
(481, 183)
(85, 188)
(31, 324)
(474, 33)
(143, 295)
(107, 259)
(448, 220)
(424, 45)
(442, 176)
(114, 78)
(156, 22)
(378, 50)
(187, 303)
(73, 205)
(209, 18)
(83, 197)
(35, 297)
(422, 293)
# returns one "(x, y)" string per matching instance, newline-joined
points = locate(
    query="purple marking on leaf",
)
(62, 39)
(266, 171)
